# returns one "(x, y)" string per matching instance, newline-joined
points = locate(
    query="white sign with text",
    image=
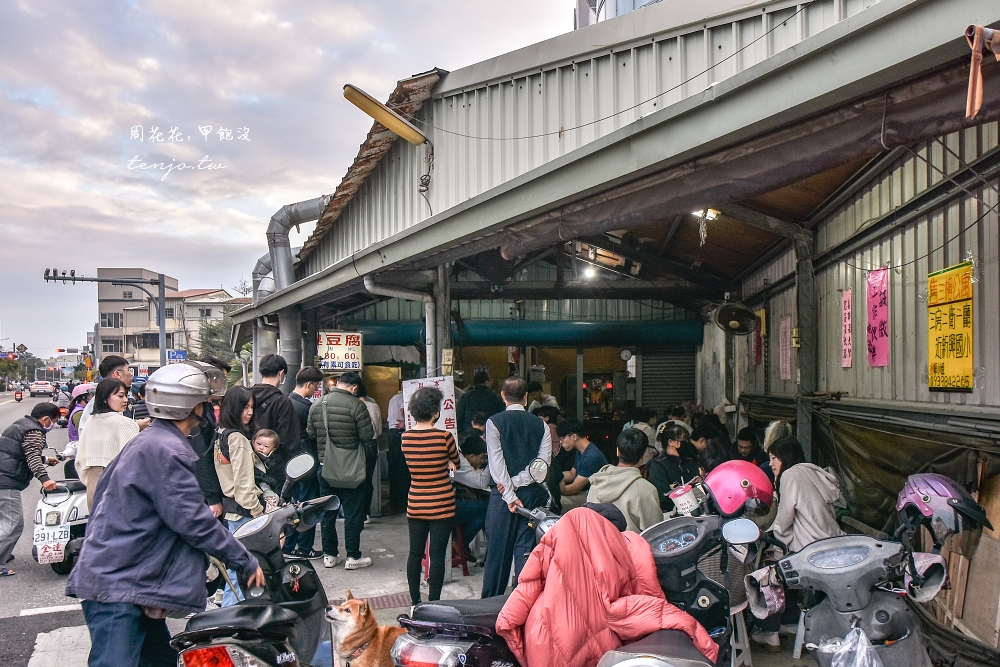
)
(448, 421)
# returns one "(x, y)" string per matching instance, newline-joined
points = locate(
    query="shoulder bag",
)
(343, 466)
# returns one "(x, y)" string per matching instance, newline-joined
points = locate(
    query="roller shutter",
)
(668, 377)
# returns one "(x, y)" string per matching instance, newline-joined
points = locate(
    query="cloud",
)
(75, 78)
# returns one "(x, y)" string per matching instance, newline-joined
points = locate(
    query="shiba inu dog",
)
(358, 639)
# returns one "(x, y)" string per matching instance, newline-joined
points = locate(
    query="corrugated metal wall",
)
(668, 378)
(596, 92)
(781, 267)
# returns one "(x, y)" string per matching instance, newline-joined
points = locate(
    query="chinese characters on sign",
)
(175, 135)
(949, 329)
(448, 421)
(846, 330)
(785, 362)
(878, 317)
(339, 350)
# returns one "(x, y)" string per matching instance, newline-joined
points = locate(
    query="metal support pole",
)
(805, 295)
(161, 317)
(579, 384)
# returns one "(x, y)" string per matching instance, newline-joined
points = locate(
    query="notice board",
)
(949, 329)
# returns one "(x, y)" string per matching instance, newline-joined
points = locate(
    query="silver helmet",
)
(174, 390)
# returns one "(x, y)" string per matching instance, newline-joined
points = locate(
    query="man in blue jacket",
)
(149, 531)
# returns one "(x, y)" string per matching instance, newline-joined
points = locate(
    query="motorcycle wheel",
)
(63, 567)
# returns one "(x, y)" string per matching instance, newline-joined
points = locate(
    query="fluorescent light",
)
(590, 273)
(711, 214)
(391, 120)
(698, 214)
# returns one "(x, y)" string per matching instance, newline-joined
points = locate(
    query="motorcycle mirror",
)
(253, 525)
(299, 466)
(539, 471)
(740, 531)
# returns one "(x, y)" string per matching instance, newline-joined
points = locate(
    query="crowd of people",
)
(450, 489)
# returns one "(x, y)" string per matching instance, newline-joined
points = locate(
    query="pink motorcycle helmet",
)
(82, 389)
(944, 507)
(738, 486)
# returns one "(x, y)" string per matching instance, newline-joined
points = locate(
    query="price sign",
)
(949, 329)
(448, 421)
(340, 350)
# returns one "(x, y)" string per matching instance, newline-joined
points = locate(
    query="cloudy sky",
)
(76, 78)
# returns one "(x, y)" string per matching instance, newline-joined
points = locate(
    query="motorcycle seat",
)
(269, 619)
(481, 613)
(74, 486)
(674, 645)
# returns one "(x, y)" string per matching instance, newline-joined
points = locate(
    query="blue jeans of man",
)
(305, 489)
(508, 538)
(121, 635)
(470, 516)
(352, 502)
(229, 596)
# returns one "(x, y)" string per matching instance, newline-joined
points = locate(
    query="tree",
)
(8, 370)
(215, 338)
(243, 288)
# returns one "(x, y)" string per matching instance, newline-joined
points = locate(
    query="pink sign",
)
(846, 330)
(878, 317)
(785, 361)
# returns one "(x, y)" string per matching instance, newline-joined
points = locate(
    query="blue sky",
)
(75, 78)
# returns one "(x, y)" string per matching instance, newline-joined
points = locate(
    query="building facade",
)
(112, 303)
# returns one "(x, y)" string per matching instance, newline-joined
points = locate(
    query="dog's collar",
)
(357, 653)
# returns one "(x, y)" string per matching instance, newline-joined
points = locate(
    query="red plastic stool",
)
(458, 556)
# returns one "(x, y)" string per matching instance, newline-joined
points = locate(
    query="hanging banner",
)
(878, 318)
(448, 421)
(846, 330)
(785, 362)
(949, 329)
(339, 350)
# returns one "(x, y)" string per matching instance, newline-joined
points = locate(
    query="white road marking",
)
(50, 610)
(6, 402)
(63, 647)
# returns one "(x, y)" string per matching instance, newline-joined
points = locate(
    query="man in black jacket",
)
(273, 410)
(203, 444)
(307, 381)
(478, 399)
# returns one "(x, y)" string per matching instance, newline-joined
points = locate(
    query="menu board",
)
(339, 350)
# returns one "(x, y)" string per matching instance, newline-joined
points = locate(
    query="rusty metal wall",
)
(596, 91)
(766, 377)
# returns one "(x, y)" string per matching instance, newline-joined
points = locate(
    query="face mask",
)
(51, 426)
(202, 426)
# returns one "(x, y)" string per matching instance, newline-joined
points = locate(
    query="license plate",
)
(51, 534)
(51, 553)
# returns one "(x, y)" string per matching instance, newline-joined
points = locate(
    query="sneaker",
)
(769, 640)
(357, 563)
(331, 561)
(312, 554)
(368, 520)
(789, 629)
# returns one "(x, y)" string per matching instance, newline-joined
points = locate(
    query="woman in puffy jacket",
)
(107, 433)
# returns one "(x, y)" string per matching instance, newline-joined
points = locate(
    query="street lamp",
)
(245, 361)
(53, 275)
(399, 126)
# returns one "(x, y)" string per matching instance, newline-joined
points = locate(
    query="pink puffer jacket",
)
(585, 590)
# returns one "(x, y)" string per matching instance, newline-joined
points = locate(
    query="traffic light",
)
(12, 356)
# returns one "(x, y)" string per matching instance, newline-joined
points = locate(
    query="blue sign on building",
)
(176, 356)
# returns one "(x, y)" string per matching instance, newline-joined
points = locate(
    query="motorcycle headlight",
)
(74, 514)
(53, 519)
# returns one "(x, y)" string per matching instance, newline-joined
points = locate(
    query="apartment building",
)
(114, 300)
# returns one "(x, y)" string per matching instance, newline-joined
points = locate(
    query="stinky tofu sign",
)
(447, 421)
(949, 329)
(339, 350)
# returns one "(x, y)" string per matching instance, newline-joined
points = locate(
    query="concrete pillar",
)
(805, 294)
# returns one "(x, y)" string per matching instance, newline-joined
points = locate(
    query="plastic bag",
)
(856, 651)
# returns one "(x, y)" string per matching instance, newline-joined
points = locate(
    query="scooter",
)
(852, 581)
(18, 396)
(453, 632)
(60, 525)
(277, 623)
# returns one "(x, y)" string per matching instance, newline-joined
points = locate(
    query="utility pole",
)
(53, 275)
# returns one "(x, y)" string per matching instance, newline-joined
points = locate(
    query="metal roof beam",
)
(666, 290)
(768, 223)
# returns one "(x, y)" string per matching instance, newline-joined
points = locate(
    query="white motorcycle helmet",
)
(173, 391)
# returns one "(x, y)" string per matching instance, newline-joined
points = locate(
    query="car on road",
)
(41, 387)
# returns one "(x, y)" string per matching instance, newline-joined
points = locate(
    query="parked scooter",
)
(280, 622)
(453, 632)
(852, 581)
(60, 525)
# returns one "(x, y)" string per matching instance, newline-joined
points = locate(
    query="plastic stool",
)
(458, 558)
(740, 639)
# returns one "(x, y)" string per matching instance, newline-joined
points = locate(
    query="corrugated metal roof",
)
(407, 99)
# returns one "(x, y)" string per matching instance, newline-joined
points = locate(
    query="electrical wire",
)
(562, 131)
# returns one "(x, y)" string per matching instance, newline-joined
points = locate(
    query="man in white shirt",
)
(514, 438)
(399, 474)
(537, 398)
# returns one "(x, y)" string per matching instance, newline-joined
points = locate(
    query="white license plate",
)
(51, 534)
(51, 553)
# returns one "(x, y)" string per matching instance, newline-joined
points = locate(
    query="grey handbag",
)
(343, 467)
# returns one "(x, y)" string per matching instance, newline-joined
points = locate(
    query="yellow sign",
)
(949, 329)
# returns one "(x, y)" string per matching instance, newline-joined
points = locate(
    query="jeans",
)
(229, 596)
(399, 473)
(470, 516)
(305, 489)
(352, 502)
(508, 538)
(440, 533)
(122, 635)
(11, 522)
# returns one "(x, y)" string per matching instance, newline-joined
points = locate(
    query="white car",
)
(41, 387)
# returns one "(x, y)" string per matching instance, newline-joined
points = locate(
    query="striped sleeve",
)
(427, 454)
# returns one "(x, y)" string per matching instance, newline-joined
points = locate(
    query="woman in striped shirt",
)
(430, 455)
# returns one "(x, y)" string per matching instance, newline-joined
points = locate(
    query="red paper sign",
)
(878, 318)
(785, 361)
(846, 330)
